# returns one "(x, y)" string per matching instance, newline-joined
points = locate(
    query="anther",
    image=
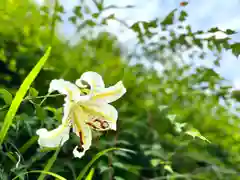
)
(104, 124)
(80, 148)
(85, 84)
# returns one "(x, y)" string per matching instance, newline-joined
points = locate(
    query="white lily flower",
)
(86, 107)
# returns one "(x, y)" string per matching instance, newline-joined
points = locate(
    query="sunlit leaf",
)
(58, 177)
(155, 162)
(90, 174)
(171, 117)
(33, 92)
(168, 168)
(21, 93)
(195, 133)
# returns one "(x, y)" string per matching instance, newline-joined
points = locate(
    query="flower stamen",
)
(100, 125)
(92, 125)
(80, 147)
(104, 124)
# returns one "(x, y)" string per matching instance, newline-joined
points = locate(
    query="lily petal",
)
(88, 141)
(66, 111)
(82, 130)
(103, 113)
(110, 94)
(53, 138)
(93, 79)
(65, 87)
(85, 140)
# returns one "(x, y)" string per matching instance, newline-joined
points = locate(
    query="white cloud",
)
(236, 84)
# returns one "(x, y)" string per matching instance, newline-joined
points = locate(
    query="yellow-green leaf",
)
(90, 174)
(58, 177)
(7, 96)
(21, 93)
(195, 133)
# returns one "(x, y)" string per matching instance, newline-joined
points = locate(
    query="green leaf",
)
(179, 126)
(195, 133)
(150, 24)
(47, 149)
(162, 107)
(96, 157)
(169, 19)
(127, 167)
(171, 117)
(40, 112)
(118, 178)
(58, 177)
(213, 30)
(78, 11)
(236, 95)
(168, 168)
(183, 15)
(60, 8)
(2, 55)
(95, 15)
(90, 22)
(58, 114)
(230, 32)
(135, 27)
(10, 156)
(44, 9)
(29, 143)
(236, 49)
(90, 174)
(49, 164)
(33, 92)
(156, 162)
(21, 93)
(7, 96)
(73, 19)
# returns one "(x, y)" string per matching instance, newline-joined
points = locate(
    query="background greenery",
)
(178, 120)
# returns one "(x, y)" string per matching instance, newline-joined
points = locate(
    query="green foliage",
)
(20, 95)
(7, 96)
(43, 172)
(178, 120)
(96, 157)
(236, 49)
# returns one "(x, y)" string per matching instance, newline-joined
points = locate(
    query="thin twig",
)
(40, 97)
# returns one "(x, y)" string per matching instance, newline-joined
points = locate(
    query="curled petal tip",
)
(41, 131)
(78, 154)
(54, 137)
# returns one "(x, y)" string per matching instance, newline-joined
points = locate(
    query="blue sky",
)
(203, 15)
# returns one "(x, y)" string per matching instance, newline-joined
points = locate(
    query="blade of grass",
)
(44, 172)
(49, 164)
(28, 144)
(21, 93)
(96, 157)
(90, 174)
